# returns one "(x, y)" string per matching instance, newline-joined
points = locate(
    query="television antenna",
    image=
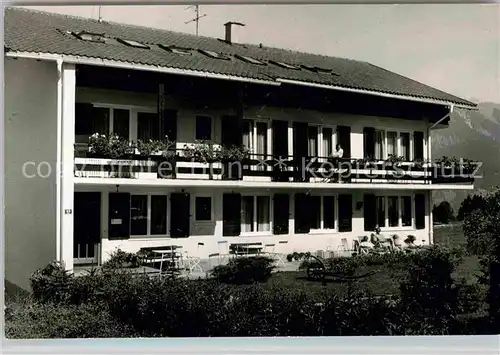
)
(197, 18)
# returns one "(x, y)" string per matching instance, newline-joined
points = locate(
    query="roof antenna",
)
(197, 18)
(99, 18)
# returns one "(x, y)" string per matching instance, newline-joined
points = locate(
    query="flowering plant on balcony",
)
(394, 159)
(149, 147)
(113, 146)
(232, 153)
(200, 152)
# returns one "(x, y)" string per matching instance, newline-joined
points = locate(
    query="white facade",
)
(40, 211)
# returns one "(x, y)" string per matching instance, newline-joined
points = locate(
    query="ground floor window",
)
(256, 214)
(148, 215)
(322, 212)
(388, 211)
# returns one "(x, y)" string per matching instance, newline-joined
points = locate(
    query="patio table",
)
(246, 248)
(168, 253)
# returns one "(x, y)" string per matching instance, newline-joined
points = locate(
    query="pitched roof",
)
(44, 32)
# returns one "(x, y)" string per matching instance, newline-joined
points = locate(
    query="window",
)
(321, 141)
(392, 143)
(89, 36)
(316, 69)
(313, 141)
(380, 144)
(139, 215)
(148, 126)
(255, 214)
(213, 54)
(256, 137)
(284, 65)
(131, 43)
(121, 122)
(158, 215)
(406, 211)
(405, 146)
(101, 120)
(176, 50)
(203, 208)
(203, 128)
(322, 212)
(249, 59)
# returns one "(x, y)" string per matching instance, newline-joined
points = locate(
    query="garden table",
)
(240, 249)
(168, 254)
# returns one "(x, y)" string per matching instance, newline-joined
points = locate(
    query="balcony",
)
(199, 165)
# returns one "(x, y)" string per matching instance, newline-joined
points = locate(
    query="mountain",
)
(474, 135)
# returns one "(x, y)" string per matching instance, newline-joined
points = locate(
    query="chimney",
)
(228, 25)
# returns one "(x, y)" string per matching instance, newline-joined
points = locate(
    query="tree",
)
(470, 204)
(443, 213)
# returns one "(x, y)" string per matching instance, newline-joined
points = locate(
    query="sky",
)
(454, 48)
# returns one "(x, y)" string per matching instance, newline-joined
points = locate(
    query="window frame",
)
(399, 205)
(253, 136)
(320, 127)
(322, 229)
(398, 132)
(149, 215)
(212, 127)
(255, 219)
(212, 214)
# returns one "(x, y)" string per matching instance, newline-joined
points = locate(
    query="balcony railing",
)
(259, 167)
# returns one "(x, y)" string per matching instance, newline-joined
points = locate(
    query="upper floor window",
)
(203, 128)
(322, 140)
(379, 144)
(148, 126)
(256, 137)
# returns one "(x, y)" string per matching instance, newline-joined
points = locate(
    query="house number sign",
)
(68, 211)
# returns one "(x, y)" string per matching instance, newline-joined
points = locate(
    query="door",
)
(300, 150)
(119, 216)
(180, 215)
(344, 139)
(86, 227)
(231, 215)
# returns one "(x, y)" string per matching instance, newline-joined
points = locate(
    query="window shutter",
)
(302, 220)
(281, 213)
(420, 211)
(369, 142)
(344, 139)
(418, 144)
(180, 215)
(168, 119)
(119, 216)
(345, 213)
(280, 138)
(231, 215)
(83, 119)
(370, 212)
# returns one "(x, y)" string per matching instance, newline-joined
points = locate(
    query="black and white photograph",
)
(181, 171)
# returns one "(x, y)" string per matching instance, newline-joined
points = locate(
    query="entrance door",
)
(119, 216)
(180, 215)
(86, 227)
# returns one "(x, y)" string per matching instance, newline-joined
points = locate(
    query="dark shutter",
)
(231, 215)
(370, 212)
(418, 144)
(345, 213)
(420, 211)
(119, 215)
(281, 213)
(180, 215)
(344, 139)
(168, 119)
(231, 131)
(302, 215)
(300, 150)
(280, 138)
(83, 119)
(369, 142)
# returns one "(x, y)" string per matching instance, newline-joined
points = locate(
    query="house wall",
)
(187, 117)
(30, 143)
(210, 233)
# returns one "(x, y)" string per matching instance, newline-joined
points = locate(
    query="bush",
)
(51, 283)
(35, 321)
(121, 259)
(244, 270)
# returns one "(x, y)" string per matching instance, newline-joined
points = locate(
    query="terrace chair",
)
(193, 262)
(281, 253)
(344, 246)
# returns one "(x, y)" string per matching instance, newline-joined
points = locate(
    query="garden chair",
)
(281, 253)
(343, 247)
(193, 262)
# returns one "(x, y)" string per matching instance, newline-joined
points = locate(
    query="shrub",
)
(51, 283)
(35, 321)
(121, 259)
(244, 270)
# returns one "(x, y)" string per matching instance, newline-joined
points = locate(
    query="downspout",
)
(429, 203)
(59, 159)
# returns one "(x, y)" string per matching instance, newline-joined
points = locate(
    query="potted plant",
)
(233, 157)
(199, 152)
(98, 145)
(149, 148)
(119, 147)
